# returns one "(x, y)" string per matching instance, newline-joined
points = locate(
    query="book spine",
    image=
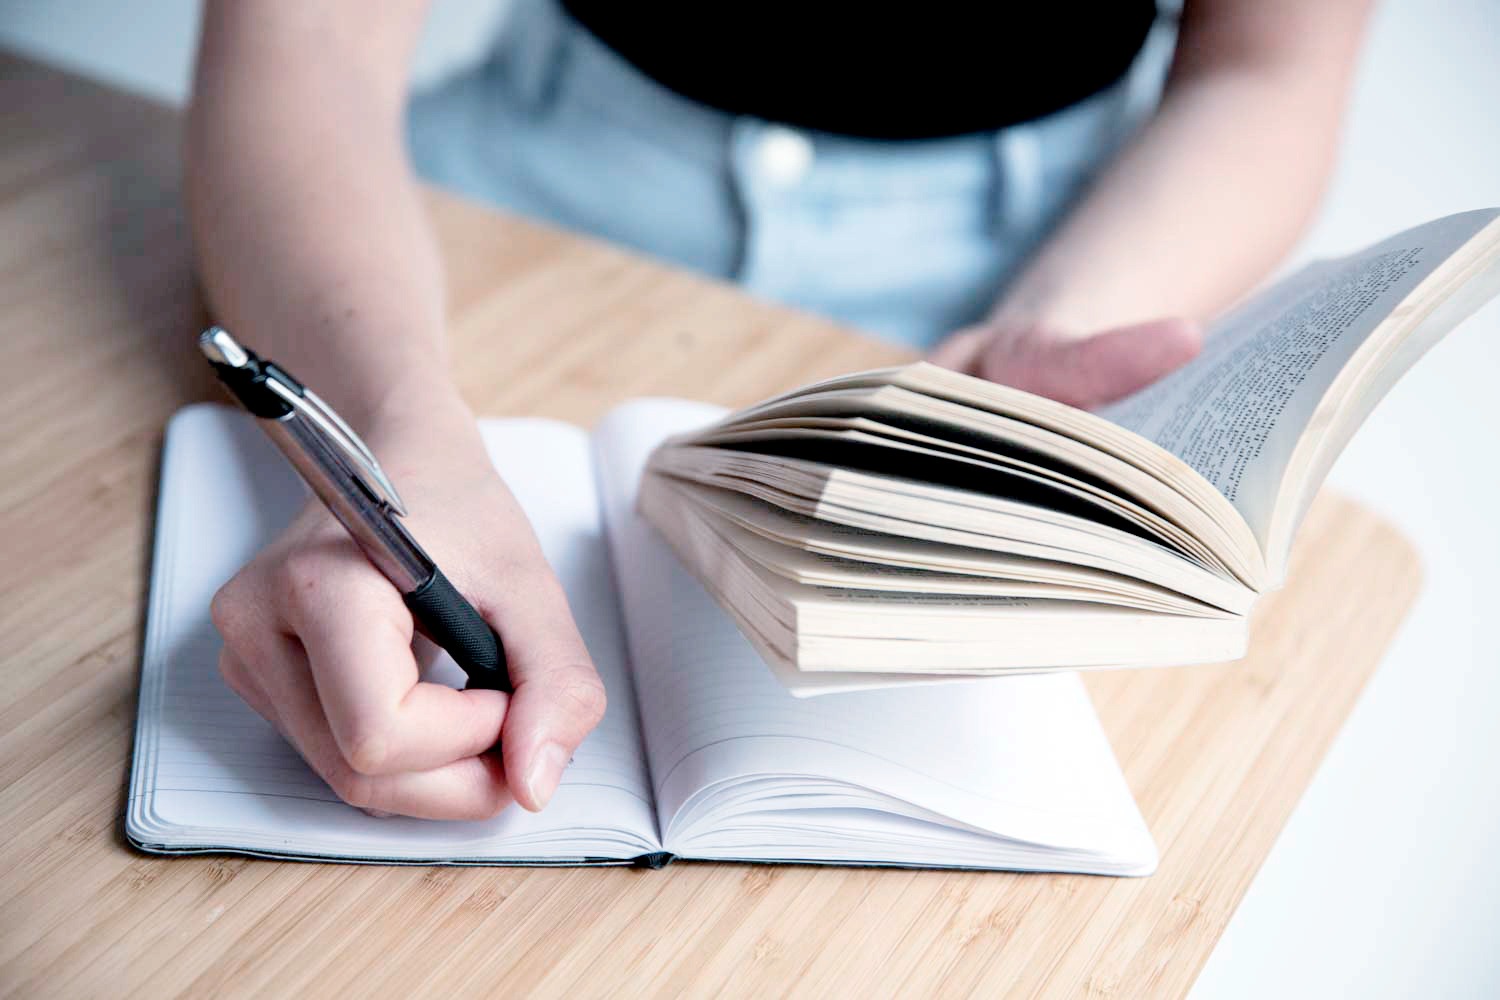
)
(654, 861)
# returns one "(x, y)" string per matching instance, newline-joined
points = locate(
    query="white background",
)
(1386, 882)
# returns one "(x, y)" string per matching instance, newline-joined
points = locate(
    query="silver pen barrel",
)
(382, 537)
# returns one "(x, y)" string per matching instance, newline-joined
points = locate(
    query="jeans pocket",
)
(1044, 166)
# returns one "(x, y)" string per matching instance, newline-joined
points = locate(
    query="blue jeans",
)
(906, 240)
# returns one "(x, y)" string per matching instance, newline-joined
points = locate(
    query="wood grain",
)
(96, 343)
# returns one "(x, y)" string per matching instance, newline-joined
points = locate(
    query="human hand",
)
(319, 643)
(1085, 372)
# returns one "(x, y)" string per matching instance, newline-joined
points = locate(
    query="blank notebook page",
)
(209, 773)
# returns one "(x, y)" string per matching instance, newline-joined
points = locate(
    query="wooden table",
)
(97, 316)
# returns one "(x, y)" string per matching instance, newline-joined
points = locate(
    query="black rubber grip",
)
(452, 623)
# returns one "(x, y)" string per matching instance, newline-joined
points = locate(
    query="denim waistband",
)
(543, 49)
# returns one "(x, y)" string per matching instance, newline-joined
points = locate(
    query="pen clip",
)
(341, 436)
(251, 371)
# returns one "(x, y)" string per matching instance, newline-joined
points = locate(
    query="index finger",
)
(357, 634)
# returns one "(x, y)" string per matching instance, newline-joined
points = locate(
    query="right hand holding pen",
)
(319, 643)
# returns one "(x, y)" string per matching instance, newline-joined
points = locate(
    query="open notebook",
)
(703, 753)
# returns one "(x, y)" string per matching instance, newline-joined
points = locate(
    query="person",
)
(964, 184)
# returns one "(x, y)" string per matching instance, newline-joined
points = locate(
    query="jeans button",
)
(783, 156)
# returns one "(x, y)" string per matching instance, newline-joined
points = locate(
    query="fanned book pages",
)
(921, 523)
(702, 753)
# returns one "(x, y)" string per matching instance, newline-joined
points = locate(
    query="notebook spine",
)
(660, 859)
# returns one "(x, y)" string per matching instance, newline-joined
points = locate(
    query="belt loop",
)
(743, 136)
(531, 50)
(1019, 189)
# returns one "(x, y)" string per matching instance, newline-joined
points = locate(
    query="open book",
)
(928, 524)
(701, 753)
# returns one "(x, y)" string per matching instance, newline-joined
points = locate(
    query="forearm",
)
(1210, 194)
(311, 241)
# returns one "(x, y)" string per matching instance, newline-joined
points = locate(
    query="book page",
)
(211, 774)
(1022, 758)
(1236, 413)
(1010, 425)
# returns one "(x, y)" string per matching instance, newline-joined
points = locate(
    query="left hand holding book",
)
(1085, 371)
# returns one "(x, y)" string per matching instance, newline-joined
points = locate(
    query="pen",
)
(343, 473)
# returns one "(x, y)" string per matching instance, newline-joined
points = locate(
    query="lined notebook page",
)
(1021, 757)
(209, 773)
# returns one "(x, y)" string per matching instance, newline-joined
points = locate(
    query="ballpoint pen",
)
(343, 473)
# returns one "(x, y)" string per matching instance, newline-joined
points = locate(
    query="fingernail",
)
(378, 814)
(545, 772)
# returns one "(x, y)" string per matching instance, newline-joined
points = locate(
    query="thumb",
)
(960, 350)
(1091, 371)
(558, 698)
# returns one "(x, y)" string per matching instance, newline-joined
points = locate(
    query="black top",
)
(937, 68)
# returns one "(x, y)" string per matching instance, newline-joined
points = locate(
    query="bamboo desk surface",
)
(99, 313)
